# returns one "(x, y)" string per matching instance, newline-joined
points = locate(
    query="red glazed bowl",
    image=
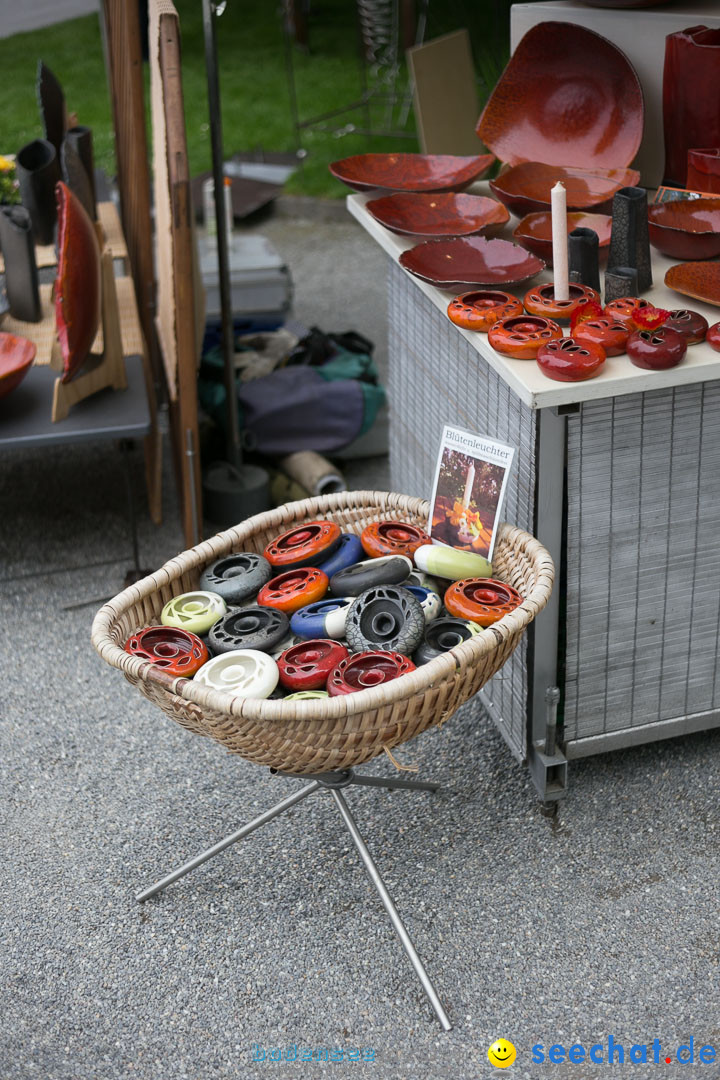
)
(16, 357)
(471, 260)
(410, 172)
(440, 216)
(525, 188)
(567, 96)
(686, 228)
(535, 231)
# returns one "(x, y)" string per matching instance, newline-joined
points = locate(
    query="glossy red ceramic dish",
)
(686, 228)
(568, 96)
(534, 232)
(77, 285)
(525, 188)
(440, 215)
(16, 357)
(410, 172)
(701, 280)
(471, 260)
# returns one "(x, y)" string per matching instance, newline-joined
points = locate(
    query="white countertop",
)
(618, 376)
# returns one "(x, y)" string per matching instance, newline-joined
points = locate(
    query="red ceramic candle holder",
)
(570, 360)
(365, 670)
(541, 301)
(482, 600)
(656, 350)
(306, 666)
(392, 538)
(610, 335)
(295, 589)
(522, 336)
(691, 324)
(305, 545)
(481, 310)
(623, 309)
(713, 337)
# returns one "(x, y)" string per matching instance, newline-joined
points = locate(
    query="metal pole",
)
(552, 697)
(141, 897)
(234, 453)
(190, 455)
(374, 875)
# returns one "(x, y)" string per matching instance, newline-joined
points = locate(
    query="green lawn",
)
(255, 99)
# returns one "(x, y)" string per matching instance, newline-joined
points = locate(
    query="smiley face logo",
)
(501, 1054)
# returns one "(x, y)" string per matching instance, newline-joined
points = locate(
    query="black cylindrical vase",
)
(629, 238)
(584, 257)
(80, 138)
(620, 281)
(38, 171)
(21, 276)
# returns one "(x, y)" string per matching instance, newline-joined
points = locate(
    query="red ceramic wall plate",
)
(568, 96)
(570, 360)
(294, 589)
(482, 600)
(365, 670)
(535, 231)
(701, 280)
(306, 666)
(541, 301)
(392, 538)
(305, 545)
(686, 228)
(178, 652)
(610, 335)
(713, 337)
(522, 336)
(623, 309)
(16, 357)
(440, 216)
(525, 188)
(481, 310)
(691, 324)
(410, 172)
(656, 350)
(472, 260)
(77, 285)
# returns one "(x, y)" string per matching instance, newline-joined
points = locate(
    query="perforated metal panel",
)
(436, 378)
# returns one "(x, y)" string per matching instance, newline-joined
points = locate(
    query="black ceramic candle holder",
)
(584, 258)
(38, 171)
(620, 281)
(629, 239)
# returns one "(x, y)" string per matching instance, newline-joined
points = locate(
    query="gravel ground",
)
(601, 922)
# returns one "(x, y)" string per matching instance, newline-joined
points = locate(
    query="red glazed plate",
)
(77, 285)
(410, 172)
(535, 231)
(441, 215)
(567, 96)
(686, 228)
(525, 188)
(16, 357)
(701, 280)
(473, 260)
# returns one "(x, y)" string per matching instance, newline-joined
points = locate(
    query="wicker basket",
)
(324, 734)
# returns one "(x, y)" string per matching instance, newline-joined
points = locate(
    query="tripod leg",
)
(393, 782)
(374, 875)
(141, 897)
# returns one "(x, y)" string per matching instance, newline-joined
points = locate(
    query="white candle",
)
(560, 242)
(470, 480)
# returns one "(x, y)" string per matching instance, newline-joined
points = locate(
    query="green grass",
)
(254, 89)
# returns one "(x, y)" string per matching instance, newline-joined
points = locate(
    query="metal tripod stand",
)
(332, 782)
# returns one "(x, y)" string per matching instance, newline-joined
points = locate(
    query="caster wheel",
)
(242, 673)
(347, 553)
(294, 589)
(175, 651)
(387, 570)
(609, 335)
(430, 602)
(193, 611)
(305, 545)
(259, 628)
(285, 644)
(364, 670)
(306, 666)
(541, 301)
(691, 324)
(521, 337)
(307, 695)
(444, 634)
(424, 581)
(236, 577)
(656, 350)
(483, 600)
(325, 619)
(385, 617)
(392, 538)
(451, 563)
(481, 310)
(624, 308)
(570, 360)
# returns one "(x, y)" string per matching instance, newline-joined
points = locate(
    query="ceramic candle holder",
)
(691, 324)
(541, 301)
(570, 359)
(656, 350)
(629, 239)
(584, 257)
(522, 336)
(620, 281)
(482, 309)
(604, 331)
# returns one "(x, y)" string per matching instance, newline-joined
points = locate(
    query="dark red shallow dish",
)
(16, 357)
(701, 280)
(440, 215)
(686, 228)
(568, 96)
(535, 231)
(410, 172)
(471, 260)
(525, 189)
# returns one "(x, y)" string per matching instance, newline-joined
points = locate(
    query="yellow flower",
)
(5, 165)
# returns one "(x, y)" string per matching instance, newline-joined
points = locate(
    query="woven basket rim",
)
(333, 708)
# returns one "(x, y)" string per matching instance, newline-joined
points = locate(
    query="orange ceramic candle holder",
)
(604, 331)
(481, 310)
(624, 308)
(541, 301)
(522, 336)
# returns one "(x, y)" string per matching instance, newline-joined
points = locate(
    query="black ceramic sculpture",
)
(583, 257)
(51, 102)
(629, 239)
(620, 281)
(80, 138)
(21, 276)
(75, 176)
(38, 171)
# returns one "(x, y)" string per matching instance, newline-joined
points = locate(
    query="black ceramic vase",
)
(76, 177)
(38, 171)
(51, 102)
(21, 276)
(620, 281)
(629, 239)
(80, 138)
(584, 257)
